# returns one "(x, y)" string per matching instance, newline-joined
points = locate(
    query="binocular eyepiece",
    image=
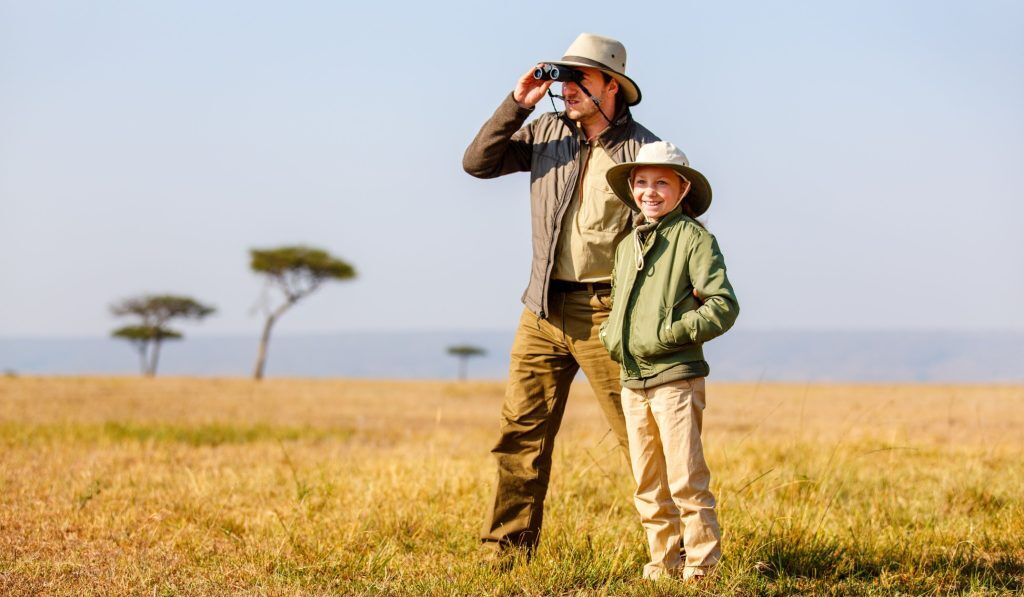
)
(562, 74)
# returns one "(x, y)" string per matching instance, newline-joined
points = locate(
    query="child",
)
(670, 294)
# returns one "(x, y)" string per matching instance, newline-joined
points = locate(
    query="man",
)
(577, 221)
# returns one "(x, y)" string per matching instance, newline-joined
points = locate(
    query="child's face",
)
(657, 190)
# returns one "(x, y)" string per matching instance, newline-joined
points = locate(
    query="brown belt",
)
(588, 287)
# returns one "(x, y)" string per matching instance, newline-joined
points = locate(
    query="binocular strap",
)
(586, 92)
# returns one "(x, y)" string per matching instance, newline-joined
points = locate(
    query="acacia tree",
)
(297, 271)
(153, 312)
(464, 352)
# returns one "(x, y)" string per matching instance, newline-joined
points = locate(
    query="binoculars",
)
(562, 74)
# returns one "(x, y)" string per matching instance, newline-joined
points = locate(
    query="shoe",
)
(503, 559)
(695, 574)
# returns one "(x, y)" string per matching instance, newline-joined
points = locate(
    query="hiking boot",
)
(503, 559)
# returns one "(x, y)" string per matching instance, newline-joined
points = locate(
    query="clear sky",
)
(867, 158)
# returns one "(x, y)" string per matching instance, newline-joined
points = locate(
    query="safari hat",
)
(605, 54)
(661, 153)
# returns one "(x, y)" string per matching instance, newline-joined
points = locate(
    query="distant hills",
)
(738, 356)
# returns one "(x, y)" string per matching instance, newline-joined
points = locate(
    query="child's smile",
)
(657, 190)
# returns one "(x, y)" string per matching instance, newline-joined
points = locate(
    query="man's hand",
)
(529, 91)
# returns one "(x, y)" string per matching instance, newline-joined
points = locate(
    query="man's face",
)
(579, 107)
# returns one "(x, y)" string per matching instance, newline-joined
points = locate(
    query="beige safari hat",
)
(661, 153)
(605, 54)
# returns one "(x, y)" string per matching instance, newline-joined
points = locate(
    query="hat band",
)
(589, 62)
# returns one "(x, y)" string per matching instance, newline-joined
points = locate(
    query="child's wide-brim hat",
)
(661, 153)
(605, 54)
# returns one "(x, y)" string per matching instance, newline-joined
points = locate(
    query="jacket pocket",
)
(679, 333)
(611, 338)
(675, 332)
(665, 327)
(650, 338)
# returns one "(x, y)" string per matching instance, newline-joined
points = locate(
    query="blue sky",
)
(866, 157)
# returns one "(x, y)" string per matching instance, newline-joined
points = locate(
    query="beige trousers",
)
(676, 507)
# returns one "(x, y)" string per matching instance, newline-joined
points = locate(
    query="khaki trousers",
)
(676, 507)
(546, 355)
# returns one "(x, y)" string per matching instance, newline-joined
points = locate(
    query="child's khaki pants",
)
(676, 507)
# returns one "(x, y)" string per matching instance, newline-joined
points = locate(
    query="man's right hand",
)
(529, 91)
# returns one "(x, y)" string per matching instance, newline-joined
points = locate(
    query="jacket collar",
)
(618, 131)
(644, 231)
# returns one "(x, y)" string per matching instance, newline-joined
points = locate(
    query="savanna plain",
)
(291, 487)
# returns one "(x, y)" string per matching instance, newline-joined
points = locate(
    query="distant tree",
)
(142, 338)
(464, 352)
(296, 271)
(153, 313)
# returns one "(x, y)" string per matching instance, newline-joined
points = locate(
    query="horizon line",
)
(511, 330)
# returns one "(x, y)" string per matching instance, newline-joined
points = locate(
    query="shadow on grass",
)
(825, 559)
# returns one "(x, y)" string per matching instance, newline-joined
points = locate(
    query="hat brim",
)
(630, 90)
(699, 196)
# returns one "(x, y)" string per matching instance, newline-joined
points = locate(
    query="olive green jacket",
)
(657, 325)
(552, 149)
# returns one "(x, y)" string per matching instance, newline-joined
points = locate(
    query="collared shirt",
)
(593, 224)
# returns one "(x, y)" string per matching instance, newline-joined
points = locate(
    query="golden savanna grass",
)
(207, 486)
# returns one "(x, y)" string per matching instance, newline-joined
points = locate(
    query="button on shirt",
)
(592, 226)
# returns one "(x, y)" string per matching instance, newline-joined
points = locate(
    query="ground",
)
(212, 486)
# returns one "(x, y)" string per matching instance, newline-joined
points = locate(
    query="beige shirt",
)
(592, 226)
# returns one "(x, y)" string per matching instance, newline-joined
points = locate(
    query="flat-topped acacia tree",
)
(153, 312)
(297, 271)
(464, 352)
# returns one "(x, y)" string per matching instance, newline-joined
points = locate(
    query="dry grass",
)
(185, 486)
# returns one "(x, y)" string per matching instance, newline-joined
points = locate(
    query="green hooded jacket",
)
(657, 325)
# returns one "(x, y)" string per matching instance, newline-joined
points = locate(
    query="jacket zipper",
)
(628, 321)
(647, 245)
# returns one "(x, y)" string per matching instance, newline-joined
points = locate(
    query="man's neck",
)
(592, 129)
(596, 124)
